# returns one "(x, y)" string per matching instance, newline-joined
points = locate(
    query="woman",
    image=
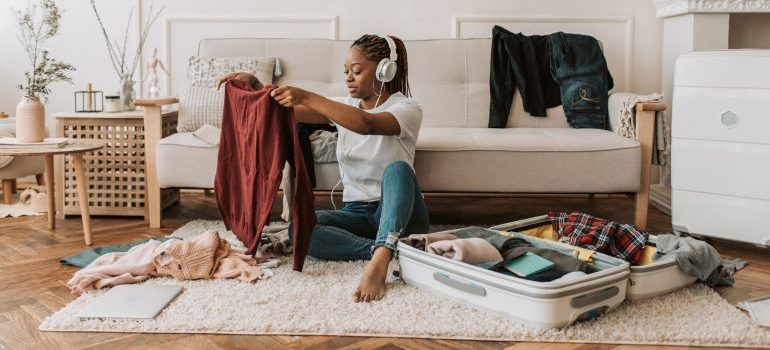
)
(378, 125)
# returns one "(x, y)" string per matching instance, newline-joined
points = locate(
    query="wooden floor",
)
(33, 287)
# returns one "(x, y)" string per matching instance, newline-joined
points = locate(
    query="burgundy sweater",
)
(258, 137)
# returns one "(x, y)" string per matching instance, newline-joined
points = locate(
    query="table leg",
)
(82, 195)
(50, 191)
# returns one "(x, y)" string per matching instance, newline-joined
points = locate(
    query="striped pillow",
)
(199, 101)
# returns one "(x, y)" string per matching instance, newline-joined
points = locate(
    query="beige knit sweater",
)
(205, 256)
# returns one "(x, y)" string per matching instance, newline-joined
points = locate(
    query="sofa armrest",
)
(153, 132)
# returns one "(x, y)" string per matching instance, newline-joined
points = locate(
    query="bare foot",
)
(372, 284)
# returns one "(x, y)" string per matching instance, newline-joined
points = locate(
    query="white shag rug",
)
(318, 302)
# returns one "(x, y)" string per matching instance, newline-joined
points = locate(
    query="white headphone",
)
(386, 69)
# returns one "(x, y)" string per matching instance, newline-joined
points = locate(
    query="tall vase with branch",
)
(117, 53)
(38, 23)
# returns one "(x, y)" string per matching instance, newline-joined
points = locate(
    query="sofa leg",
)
(39, 179)
(207, 192)
(645, 128)
(642, 207)
(7, 191)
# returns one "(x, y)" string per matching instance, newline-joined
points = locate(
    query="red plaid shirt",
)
(622, 241)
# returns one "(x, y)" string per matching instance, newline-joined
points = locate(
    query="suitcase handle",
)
(463, 286)
(594, 297)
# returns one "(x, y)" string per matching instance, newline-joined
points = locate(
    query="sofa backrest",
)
(448, 77)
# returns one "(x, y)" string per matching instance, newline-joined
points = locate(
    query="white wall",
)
(80, 43)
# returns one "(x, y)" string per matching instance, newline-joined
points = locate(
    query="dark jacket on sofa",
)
(556, 69)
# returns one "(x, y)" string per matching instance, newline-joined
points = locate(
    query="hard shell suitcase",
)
(657, 278)
(538, 304)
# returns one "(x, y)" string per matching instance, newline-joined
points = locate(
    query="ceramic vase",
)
(30, 120)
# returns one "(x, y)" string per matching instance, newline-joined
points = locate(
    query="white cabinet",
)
(720, 157)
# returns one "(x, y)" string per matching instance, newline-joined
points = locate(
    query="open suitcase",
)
(645, 281)
(538, 304)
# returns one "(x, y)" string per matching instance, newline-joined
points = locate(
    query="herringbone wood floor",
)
(33, 281)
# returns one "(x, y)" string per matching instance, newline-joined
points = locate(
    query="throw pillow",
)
(199, 101)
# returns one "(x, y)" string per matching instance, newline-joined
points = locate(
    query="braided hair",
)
(376, 48)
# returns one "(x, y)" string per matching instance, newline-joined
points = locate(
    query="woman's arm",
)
(349, 117)
(303, 114)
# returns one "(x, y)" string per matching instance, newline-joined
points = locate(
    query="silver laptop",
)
(130, 302)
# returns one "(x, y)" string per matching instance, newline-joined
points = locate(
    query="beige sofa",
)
(456, 152)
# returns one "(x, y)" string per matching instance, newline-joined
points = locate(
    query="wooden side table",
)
(118, 174)
(76, 150)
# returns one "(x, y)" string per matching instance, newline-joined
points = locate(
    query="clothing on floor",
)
(422, 240)
(622, 241)
(112, 269)
(470, 250)
(305, 131)
(274, 244)
(353, 232)
(698, 259)
(85, 257)
(205, 256)
(512, 247)
(258, 137)
(523, 62)
(579, 67)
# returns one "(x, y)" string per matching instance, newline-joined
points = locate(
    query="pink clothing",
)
(470, 250)
(205, 256)
(112, 269)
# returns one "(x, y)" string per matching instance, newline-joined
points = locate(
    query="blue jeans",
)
(356, 230)
(579, 66)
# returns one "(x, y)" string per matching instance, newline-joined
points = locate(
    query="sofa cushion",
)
(519, 161)
(526, 160)
(186, 161)
(200, 102)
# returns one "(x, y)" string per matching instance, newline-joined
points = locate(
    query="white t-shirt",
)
(363, 158)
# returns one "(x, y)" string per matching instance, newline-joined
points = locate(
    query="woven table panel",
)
(116, 173)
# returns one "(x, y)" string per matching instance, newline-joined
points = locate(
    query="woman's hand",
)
(243, 76)
(289, 96)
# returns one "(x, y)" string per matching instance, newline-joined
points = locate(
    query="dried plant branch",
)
(110, 49)
(117, 52)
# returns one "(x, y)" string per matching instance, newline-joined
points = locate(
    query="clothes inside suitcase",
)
(537, 304)
(647, 279)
